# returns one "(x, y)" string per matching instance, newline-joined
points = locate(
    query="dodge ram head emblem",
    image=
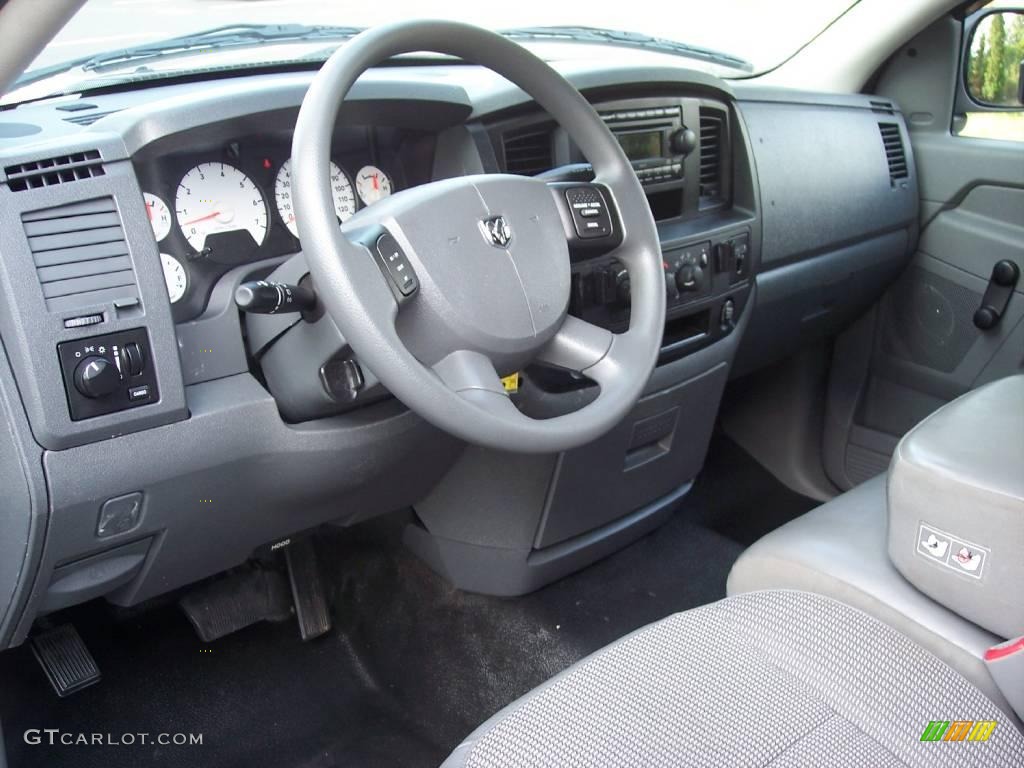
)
(496, 231)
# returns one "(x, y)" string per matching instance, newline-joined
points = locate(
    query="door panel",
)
(919, 348)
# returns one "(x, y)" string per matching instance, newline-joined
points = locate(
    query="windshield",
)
(751, 36)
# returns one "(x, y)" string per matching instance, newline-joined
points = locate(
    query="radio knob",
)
(683, 141)
(97, 377)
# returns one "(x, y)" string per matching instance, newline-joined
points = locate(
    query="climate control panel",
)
(705, 290)
(108, 373)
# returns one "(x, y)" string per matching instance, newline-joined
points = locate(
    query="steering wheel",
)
(439, 288)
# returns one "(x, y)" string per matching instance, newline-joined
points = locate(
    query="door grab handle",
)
(1004, 277)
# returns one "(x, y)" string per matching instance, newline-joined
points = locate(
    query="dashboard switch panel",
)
(108, 373)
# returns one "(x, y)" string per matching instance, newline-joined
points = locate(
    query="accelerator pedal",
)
(308, 590)
(228, 604)
(64, 658)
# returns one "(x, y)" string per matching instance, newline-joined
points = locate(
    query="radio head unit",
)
(655, 141)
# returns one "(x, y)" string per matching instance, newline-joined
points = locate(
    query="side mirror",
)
(994, 72)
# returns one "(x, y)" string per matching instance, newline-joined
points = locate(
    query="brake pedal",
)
(65, 659)
(308, 591)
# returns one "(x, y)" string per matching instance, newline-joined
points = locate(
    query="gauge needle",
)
(376, 182)
(149, 212)
(213, 215)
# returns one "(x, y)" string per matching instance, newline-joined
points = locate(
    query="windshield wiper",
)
(628, 40)
(232, 35)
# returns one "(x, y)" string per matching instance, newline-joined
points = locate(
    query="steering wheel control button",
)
(589, 212)
(106, 374)
(119, 515)
(396, 264)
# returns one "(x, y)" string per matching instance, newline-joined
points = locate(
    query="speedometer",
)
(341, 191)
(217, 197)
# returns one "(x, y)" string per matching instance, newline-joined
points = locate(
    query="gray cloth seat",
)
(777, 677)
(839, 550)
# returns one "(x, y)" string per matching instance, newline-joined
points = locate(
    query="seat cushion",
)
(839, 550)
(765, 678)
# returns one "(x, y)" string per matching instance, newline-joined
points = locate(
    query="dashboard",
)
(136, 391)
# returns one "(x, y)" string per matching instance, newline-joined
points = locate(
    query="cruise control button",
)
(589, 212)
(397, 265)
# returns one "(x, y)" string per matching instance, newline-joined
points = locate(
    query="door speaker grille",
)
(928, 320)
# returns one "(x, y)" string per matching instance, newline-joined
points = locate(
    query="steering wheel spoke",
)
(473, 377)
(578, 345)
(465, 370)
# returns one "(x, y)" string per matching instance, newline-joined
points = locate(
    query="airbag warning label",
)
(951, 551)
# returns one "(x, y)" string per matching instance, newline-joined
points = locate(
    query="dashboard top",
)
(122, 123)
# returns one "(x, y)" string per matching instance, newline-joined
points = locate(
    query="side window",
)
(991, 97)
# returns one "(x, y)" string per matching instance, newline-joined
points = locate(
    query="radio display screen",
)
(641, 145)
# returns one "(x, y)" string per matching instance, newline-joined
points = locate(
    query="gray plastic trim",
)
(511, 572)
(31, 331)
(230, 479)
(211, 346)
(24, 513)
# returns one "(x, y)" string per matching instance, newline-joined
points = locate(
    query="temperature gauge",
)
(159, 216)
(372, 184)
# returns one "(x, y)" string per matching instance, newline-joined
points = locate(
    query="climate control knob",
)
(97, 377)
(688, 278)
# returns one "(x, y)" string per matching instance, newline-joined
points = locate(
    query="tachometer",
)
(341, 191)
(159, 215)
(372, 184)
(217, 197)
(174, 276)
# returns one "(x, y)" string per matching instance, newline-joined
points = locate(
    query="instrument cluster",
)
(212, 210)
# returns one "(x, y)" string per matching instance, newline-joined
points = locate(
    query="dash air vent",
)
(54, 170)
(80, 254)
(712, 149)
(895, 155)
(528, 153)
